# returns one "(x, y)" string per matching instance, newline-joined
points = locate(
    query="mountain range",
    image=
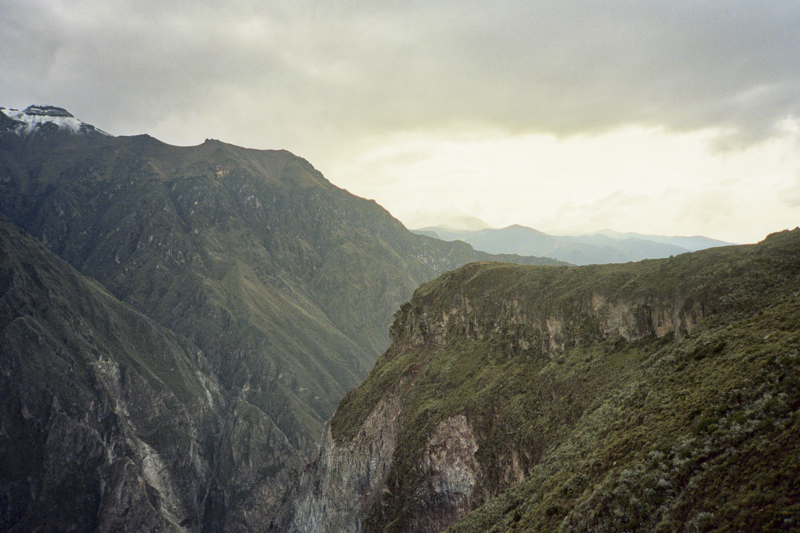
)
(601, 247)
(277, 286)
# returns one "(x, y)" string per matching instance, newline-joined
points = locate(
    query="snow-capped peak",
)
(45, 119)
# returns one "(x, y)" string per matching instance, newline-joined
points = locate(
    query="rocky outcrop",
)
(501, 376)
(336, 492)
(546, 319)
(450, 471)
(338, 488)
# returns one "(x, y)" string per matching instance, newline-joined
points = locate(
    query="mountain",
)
(107, 421)
(693, 244)
(454, 229)
(43, 120)
(653, 396)
(279, 287)
(598, 248)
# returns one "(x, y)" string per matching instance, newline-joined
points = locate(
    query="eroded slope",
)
(653, 396)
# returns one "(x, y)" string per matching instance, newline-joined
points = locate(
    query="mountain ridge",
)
(605, 246)
(283, 282)
(577, 399)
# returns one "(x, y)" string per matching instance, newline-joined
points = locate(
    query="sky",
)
(664, 117)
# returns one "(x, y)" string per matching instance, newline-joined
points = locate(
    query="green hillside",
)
(286, 282)
(105, 415)
(652, 396)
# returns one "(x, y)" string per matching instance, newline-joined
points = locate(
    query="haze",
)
(675, 118)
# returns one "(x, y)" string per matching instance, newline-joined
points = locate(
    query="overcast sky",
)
(670, 117)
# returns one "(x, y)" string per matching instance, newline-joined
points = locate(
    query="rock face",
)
(450, 471)
(337, 488)
(575, 399)
(106, 422)
(277, 285)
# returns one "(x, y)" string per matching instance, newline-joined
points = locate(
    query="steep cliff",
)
(282, 285)
(286, 282)
(652, 396)
(106, 422)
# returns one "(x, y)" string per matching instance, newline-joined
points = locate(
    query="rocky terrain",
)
(107, 422)
(277, 287)
(652, 396)
(179, 324)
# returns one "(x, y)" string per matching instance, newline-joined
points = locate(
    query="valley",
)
(214, 338)
(280, 284)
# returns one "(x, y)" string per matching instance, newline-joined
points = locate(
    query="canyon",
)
(214, 338)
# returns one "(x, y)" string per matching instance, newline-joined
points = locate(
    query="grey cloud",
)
(361, 68)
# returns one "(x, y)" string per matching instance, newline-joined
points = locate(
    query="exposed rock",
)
(338, 488)
(450, 471)
(538, 398)
(102, 426)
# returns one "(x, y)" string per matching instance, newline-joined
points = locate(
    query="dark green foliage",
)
(691, 431)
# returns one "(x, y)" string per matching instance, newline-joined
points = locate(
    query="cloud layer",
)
(560, 67)
(325, 78)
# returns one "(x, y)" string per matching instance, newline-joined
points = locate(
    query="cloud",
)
(632, 179)
(387, 95)
(557, 67)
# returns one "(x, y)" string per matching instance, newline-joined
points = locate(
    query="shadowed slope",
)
(107, 421)
(285, 283)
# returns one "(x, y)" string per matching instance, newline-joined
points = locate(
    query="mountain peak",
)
(465, 223)
(47, 111)
(44, 119)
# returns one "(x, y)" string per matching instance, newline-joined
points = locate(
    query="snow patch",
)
(36, 117)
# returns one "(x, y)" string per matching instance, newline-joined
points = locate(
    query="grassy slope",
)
(654, 435)
(38, 288)
(665, 435)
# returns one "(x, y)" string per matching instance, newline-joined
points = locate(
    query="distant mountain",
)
(279, 286)
(465, 223)
(690, 243)
(454, 229)
(598, 248)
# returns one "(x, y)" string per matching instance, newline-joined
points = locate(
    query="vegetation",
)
(285, 282)
(83, 380)
(694, 430)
